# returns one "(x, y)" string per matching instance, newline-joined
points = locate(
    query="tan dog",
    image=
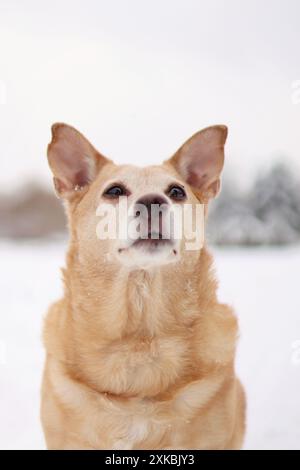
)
(140, 353)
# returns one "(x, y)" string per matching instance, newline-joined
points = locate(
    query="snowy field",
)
(261, 284)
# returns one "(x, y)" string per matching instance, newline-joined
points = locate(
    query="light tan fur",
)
(138, 358)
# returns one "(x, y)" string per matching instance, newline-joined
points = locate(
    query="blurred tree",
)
(268, 214)
(31, 212)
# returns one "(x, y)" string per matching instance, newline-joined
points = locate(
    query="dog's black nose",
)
(155, 206)
(152, 217)
(151, 199)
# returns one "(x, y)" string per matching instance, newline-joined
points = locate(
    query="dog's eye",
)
(115, 192)
(176, 192)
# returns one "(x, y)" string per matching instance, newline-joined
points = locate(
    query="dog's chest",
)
(135, 425)
(137, 431)
(144, 366)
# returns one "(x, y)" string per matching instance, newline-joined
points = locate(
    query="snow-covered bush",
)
(268, 214)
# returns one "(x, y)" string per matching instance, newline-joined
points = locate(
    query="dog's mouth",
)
(153, 244)
(152, 241)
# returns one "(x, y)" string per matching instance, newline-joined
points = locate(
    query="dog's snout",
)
(151, 199)
(152, 208)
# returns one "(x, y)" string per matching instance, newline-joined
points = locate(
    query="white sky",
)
(139, 77)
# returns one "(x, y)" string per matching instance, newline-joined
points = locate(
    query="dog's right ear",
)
(200, 160)
(73, 160)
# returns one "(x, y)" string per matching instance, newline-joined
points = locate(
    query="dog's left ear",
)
(73, 160)
(200, 160)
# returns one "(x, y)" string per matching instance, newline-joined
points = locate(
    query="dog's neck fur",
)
(121, 302)
(114, 319)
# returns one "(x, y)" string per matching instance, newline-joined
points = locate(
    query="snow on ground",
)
(261, 284)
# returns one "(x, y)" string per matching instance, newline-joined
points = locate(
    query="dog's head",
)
(137, 217)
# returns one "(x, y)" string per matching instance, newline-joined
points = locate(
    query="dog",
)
(139, 351)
